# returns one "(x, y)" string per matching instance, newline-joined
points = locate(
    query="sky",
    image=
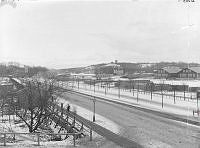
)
(63, 34)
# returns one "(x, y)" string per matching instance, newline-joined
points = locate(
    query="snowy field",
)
(190, 83)
(177, 106)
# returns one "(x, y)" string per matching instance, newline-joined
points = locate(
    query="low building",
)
(167, 72)
(109, 70)
(189, 73)
(5, 85)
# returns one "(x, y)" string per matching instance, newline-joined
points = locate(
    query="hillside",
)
(130, 68)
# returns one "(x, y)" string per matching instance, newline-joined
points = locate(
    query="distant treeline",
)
(17, 71)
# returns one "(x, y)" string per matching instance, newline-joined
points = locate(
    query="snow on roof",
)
(111, 65)
(172, 69)
(89, 67)
(82, 74)
(195, 69)
(17, 80)
(190, 83)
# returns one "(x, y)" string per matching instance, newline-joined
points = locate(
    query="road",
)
(145, 128)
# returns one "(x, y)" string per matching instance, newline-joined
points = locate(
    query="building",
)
(88, 70)
(63, 76)
(109, 70)
(5, 85)
(189, 73)
(167, 72)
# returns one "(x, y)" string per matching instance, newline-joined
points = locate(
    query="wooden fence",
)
(38, 136)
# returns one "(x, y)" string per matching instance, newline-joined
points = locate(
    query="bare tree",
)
(33, 103)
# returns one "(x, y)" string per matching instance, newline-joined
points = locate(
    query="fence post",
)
(74, 139)
(61, 109)
(4, 139)
(90, 133)
(38, 139)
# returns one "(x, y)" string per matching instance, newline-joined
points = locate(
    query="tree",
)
(33, 103)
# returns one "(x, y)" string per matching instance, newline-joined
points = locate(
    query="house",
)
(167, 72)
(189, 73)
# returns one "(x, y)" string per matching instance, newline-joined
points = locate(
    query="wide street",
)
(145, 128)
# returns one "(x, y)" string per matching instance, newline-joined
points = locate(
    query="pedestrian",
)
(68, 107)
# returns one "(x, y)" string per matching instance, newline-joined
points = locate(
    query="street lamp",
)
(94, 101)
(151, 87)
(174, 87)
(137, 90)
(162, 92)
(78, 83)
(94, 86)
(133, 87)
(119, 89)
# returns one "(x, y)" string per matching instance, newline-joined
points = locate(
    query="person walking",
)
(68, 107)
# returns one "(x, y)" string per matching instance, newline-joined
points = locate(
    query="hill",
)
(130, 68)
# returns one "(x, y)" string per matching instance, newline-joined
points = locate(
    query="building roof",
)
(195, 69)
(172, 69)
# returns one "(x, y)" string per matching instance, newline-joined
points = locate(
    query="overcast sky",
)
(61, 34)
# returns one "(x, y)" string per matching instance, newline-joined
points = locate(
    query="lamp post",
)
(162, 93)
(151, 87)
(174, 87)
(105, 88)
(94, 101)
(198, 96)
(90, 84)
(184, 91)
(94, 86)
(138, 91)
(78, 83)
(119, 89)
(133, 87)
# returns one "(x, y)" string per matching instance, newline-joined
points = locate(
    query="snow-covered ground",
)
(31, 140)
(180, 106)
(190, 83)
(87, 114)
(25, 140)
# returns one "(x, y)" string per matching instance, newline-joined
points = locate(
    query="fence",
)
(38, 136)
(60, 109)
